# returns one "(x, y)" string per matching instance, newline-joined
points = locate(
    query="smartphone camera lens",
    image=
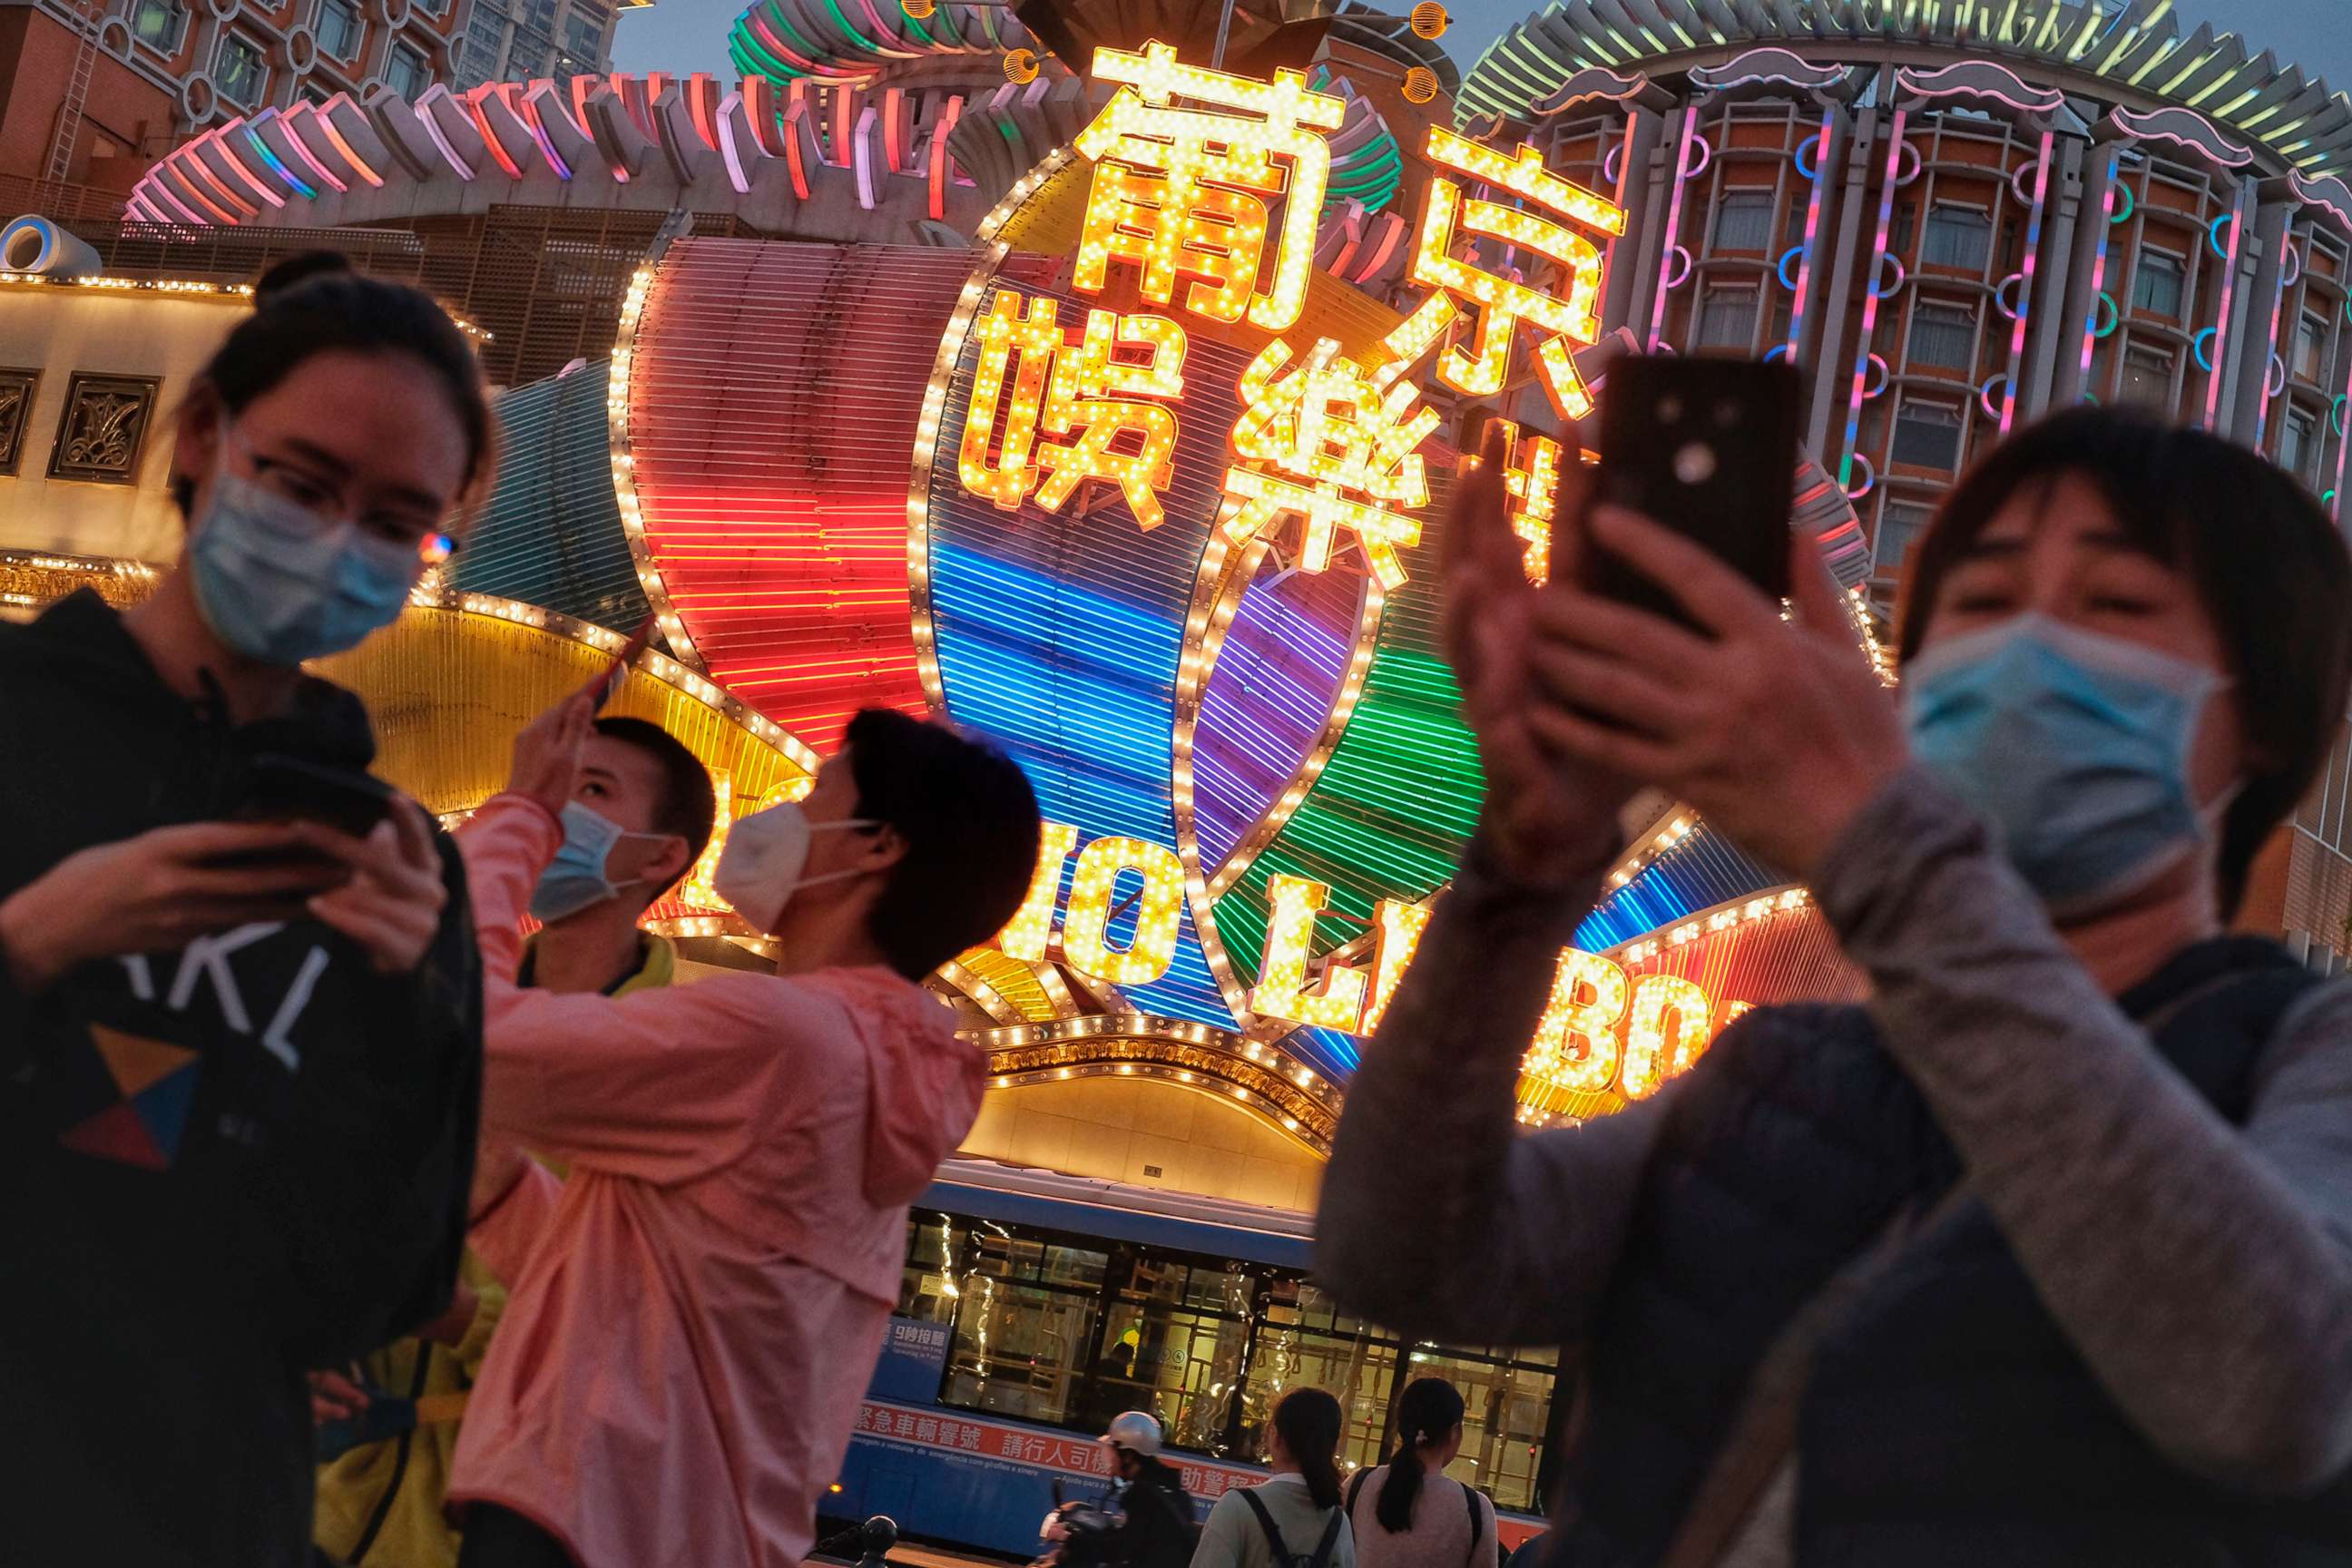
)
(1727, 414)
(1670, 409)
(1694, 463)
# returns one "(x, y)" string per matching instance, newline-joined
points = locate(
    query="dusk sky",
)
(691, 34)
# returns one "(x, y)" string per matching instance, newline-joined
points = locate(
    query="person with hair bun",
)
(1294, 1519)
(1415, 1517)
(2043, 1258)
(240, 1012)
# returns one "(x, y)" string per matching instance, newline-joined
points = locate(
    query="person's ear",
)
(880, 848)
(197, 435)
(673, 857)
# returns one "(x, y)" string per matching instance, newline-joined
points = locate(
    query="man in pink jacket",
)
(696, 1310)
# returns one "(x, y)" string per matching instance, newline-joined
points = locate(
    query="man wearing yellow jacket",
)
(640, 820)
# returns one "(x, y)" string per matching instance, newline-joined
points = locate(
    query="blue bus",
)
(1034, 1307)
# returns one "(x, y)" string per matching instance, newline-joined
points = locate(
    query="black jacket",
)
(1949, 1422)
(1157, 1530)
(219, 1166)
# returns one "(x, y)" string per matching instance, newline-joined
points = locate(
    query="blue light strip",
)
(277, 164)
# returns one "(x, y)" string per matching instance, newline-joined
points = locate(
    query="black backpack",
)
(1469, 1501)
(1283, 1557)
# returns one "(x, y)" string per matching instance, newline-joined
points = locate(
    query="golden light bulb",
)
(1021, 66)
(1429, 19)
(1420, 85)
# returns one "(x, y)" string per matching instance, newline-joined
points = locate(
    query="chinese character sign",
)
(1500, 302)
(1112, 390)
(1329, 442)
(1531, 479)
(1187, 190)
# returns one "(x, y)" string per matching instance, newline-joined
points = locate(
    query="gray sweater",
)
(1234, 1539)
(2203, 1270)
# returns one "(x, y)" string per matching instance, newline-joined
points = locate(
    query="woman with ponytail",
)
(1298, 1521)
(1415, 1517)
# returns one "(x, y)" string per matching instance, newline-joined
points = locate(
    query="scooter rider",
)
(1156, 1528)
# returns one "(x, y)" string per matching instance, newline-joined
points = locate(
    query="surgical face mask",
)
(2075, 747)
(280, 584)
(578, 877)
(759, 869)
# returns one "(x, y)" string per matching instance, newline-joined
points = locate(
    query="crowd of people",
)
(353, 1226)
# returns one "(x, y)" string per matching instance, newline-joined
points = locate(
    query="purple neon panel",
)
(1276, 677)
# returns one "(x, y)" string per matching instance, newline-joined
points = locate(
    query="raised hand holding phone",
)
(1776, 730)
(610, 681)
(1549, 822)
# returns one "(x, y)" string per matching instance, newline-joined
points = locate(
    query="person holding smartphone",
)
(696, 1307)
(2045, 1257)
(239, 1045)
(641, 813)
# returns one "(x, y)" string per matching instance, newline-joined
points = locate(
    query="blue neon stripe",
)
(1078, 685)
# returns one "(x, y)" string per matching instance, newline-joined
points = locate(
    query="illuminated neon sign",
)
(1165, 533)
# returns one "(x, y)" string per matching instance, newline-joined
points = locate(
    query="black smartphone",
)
(1706, 448)
(279, 788)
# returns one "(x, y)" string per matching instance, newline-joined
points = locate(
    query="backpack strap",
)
(1331, 1541)
(1356, 1489)
(1477, 1520)
(1266, 1522)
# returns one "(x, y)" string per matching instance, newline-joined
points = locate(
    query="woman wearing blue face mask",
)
(239, 1054)
(2044, 1258)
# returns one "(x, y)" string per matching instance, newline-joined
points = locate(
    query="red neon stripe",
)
(499, 154)
(940, 157)
(700, 91)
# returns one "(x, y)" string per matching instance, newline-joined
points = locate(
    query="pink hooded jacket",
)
(695, 1313)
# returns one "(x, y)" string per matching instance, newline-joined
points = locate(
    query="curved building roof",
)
(2133, 56)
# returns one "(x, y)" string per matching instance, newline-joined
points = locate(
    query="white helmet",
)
(1135, 1430)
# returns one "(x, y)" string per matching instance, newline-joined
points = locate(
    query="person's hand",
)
(1777, 731)
(157, 891)
(547, 750)
(1548, 819)
(335, 1397)
(391, 903)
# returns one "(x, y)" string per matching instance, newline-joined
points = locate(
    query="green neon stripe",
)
(910, 19)
(865, 43)
(1389, 813)
(945, 16)
(776, 14)
(751, 58)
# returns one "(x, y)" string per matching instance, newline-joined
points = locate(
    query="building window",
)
(338, 29)
(16, 390)
(1927, 436)
(2294, 443)
(158, 23)
(583, 37)
(2146, 378)
(1744, 221)
(104, 426)
(1906, 219)
(406, 74)
(1958, 237)
(241, 71)
(1899, 528)
(1727, 319)
(2157, 285)
(1944, 335)
(2310, 349)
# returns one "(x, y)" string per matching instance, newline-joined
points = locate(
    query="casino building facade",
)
(740, 326)
(768, 350)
